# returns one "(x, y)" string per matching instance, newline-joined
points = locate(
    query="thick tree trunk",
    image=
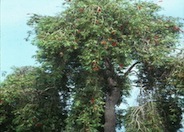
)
(112, 97)
(110, 116)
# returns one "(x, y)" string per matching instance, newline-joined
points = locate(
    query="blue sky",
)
(15, 51)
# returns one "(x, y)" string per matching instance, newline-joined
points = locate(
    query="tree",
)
(13, 92)
(29, 101)
(161, 99)
(95, 45)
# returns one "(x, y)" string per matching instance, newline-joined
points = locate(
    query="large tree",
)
(94, 46)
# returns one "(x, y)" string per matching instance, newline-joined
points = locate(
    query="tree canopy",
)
(88, 54)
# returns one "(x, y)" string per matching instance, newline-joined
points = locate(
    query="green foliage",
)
(92, 44)
(170, 113)
(26, 106)
(86, 110)
(77, 42)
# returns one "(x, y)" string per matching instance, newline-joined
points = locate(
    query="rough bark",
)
(112, 97)
(110, 116)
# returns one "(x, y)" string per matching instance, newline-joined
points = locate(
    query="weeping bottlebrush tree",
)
(161, 101)
(95, 45)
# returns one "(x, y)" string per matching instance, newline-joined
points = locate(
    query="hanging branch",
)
(129, 69)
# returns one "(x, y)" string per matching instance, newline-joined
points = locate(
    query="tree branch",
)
(129, 69)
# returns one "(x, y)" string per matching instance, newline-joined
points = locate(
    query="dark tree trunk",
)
(112, 97)
(110, 116)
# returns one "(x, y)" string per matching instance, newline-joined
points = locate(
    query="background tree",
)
(160, 103)
(31, 102)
